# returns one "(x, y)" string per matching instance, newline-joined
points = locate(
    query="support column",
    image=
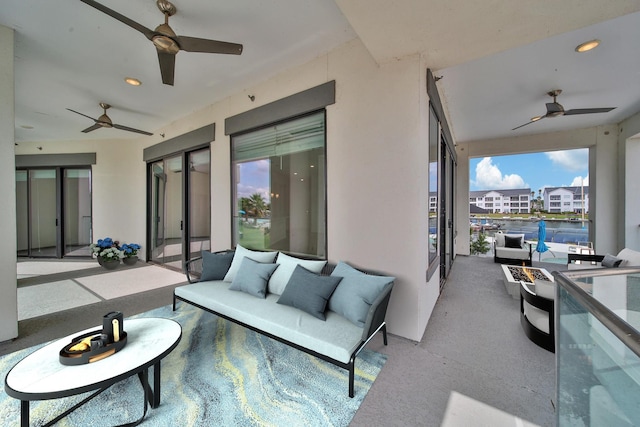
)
(8, 259)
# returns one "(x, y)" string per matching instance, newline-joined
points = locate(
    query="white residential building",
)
(566, 199)
(502, 201)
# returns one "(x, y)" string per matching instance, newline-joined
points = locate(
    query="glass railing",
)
(598, 347)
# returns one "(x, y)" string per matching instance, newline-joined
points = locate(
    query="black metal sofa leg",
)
(352, 368)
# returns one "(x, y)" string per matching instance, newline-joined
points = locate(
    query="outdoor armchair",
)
(511, 249)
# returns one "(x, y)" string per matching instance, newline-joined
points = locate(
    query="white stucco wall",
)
(8, 259)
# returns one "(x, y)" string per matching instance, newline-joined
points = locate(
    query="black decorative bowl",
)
(91, 353)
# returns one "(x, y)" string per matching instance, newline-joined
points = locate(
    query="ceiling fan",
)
(105, 122)
(554, 109)
(167, 43)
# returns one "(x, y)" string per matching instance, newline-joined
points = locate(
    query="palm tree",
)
(256, 206)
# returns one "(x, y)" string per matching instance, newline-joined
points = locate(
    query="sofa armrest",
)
(377, 313)
(193, 269)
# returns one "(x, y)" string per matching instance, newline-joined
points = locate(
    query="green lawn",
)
(253, 238)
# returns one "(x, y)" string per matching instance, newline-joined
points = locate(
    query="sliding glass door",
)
(53, 208)
(76, 208)
(179, 203)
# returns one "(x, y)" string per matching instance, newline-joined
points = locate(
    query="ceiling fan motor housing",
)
(554, 109)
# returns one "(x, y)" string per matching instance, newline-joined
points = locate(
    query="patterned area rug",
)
(220, 374)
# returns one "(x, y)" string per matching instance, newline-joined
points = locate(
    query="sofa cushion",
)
(512, 253)
(286, 265)
(356, 292)
(240, 253)
(215, 266)
(630, 257)
(308, 291)
(512, 242)
(336, 337)
(252, 277)
(611, 261)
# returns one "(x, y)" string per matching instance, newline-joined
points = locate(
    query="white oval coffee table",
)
(41, 376)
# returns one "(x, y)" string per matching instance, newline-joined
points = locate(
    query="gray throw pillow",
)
(309, 291)
(356, 292)
(512, 242)
(611, 261)
(241, 253)
(215, 266)
(252, 277)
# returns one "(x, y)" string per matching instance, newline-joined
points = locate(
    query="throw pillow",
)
(512, 242)
(215, 266)
(286, 265)
(356, 292)
(611, 261)
(308, 291)
(252, 277)
(241, 252)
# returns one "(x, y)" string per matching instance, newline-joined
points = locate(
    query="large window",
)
(279, 187)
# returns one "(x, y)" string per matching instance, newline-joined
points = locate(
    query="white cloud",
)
(572, 160)
(579, 181)
(489, 177)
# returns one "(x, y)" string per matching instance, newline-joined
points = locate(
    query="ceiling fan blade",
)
(92, 128)
(587, 111)
(528, 123)
(194, 44)
(167, 67)
(88, 117)
(131, 129)
(133, 24)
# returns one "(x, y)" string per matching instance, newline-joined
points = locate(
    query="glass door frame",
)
(185, 223)
(59, 210)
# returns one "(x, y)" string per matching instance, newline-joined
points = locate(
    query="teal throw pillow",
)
(252, 277)
(215, 266)
(308, 291)
(356, 292)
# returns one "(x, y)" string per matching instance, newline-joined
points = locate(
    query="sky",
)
(535, 171)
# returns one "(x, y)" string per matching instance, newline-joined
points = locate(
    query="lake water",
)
(569, 232)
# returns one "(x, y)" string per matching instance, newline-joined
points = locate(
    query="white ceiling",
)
(497, 59)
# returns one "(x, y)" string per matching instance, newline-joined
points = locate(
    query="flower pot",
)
(99, 260)
(131, 260)
(110, 264)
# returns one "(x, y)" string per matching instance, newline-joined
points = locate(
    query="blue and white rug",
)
(221, 374)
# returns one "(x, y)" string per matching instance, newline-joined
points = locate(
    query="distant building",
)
(566, 199)
(502, 201)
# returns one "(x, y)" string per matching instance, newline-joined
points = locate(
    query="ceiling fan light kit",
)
(167, 43)
(555, 109)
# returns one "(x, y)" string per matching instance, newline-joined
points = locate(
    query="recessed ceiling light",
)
(587, 46)
(132, 81)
